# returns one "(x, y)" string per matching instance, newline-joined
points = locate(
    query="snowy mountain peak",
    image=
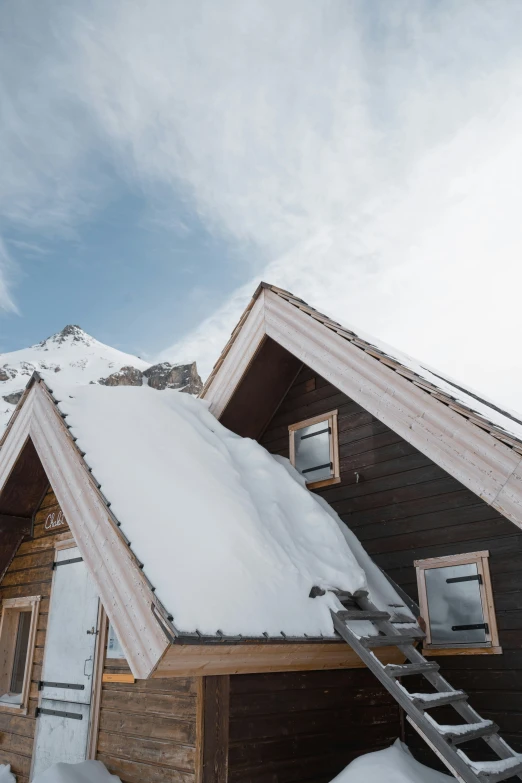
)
(72, 357)
(70, 334)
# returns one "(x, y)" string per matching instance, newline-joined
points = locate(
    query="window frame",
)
(492, 645)
(331, 418)
(10, 607)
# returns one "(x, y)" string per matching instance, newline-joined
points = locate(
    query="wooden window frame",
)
(11, 607)
(331, 418)
(491, 646)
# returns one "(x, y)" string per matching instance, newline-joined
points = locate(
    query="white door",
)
(62, 725)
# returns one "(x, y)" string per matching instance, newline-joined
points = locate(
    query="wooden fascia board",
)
(193, 660)
(490, 469)
(236, 362)
(122, 587)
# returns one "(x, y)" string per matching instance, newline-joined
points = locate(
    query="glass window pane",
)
(20, 656)
(312, 451)
(114, 648)
(454, 604)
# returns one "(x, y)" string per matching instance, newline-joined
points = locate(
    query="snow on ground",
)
(85, 772)
(393, 765)
(6, 776)
(65, 359)
(229, 535)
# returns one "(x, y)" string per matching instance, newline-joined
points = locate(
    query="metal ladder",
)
(443, 740)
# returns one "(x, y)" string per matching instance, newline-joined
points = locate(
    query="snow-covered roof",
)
(228, 535)
(504, 425)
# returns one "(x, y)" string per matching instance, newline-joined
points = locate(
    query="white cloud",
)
(6, 268)
(366, 156)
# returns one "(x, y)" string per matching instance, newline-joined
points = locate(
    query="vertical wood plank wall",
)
(305, 726)
(405, 507)
(30, 573)
(150, 731)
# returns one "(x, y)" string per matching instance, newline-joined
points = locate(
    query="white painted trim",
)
(238, 358)
(123, 590)
(483, 464)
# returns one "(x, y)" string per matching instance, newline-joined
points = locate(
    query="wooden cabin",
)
(426, 474)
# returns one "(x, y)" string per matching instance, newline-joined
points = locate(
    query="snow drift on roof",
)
(228, 534)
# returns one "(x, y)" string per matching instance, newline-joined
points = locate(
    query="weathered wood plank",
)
(20, 765)
(134, 725)
(216, 701)
(183, 659)
(167, 704)
(40, 559)
(163, 753)
(174, 685)
(137, 772)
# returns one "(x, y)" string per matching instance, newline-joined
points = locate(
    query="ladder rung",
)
(387, 641)
(362, 614)
(496, 776)
(475, 731)
(397, 617)
(405, 669)
(437, 699)
(343, 596)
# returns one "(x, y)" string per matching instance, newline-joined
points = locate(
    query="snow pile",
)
(393, 765)
(85, 772)
(229, 536)
(6, 776)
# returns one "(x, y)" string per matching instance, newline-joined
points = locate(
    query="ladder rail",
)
(465, 710)
(450, 757)
(415, 714)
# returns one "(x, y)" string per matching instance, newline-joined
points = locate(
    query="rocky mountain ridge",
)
(71, 357)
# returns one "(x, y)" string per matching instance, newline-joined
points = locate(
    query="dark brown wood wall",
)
(149, 729)
(305, 726)
(30, 573)
(404, 508)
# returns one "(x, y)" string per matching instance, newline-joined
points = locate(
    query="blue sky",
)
(158, 159)
(133, 283)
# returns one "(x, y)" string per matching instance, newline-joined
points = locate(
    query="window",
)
(17, 637)
(456, 602)
(314, 449)
(114, 648)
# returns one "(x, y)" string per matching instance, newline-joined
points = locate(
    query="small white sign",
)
(54, 520)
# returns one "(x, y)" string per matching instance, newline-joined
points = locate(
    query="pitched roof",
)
(187, 528)
(474, 440)
(502, 424)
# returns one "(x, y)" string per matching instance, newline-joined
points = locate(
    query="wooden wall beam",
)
(206, 659)
(216, 704)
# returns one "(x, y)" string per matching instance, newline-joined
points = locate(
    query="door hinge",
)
(71, 686)
(57, 713)
(66, 562)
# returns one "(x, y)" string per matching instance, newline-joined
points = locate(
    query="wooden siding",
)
(306, 726)
(30, 573)
(403, 508)
(149, 730)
